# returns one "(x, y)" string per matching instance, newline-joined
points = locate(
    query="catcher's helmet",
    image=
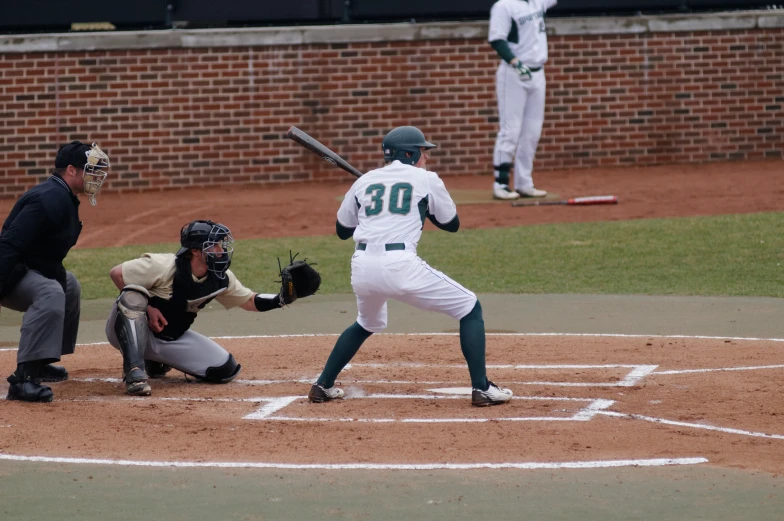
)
(204, 235)
(404, 139)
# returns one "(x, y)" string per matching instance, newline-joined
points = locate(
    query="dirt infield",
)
(578, 399)
(309, 209)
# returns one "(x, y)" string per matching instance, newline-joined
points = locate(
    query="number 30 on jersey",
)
(399, 199)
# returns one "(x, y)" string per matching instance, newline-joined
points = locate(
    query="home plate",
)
(452, 390)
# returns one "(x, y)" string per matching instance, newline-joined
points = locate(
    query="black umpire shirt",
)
(38, 233)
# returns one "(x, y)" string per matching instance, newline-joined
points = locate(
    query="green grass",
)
(739, 255)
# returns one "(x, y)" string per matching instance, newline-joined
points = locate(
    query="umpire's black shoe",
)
(28, 390)
(53, 373)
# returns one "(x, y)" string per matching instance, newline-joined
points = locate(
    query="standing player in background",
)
(517, 33)
(385, 212)
(39, 232)
(161, 293)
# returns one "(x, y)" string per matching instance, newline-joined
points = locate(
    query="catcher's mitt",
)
(297, 280)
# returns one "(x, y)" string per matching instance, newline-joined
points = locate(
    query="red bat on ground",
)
(321, 150)
(594, 199)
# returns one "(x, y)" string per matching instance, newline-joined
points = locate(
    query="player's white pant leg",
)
(371, 297)
(530, 131)
(428, 289)
(192, 353)
(511, 98)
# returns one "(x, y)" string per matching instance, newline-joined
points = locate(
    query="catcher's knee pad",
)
(224, 373)
(131, 326)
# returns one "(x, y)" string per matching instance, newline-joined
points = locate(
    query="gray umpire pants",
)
(192, 353)
(51, 316)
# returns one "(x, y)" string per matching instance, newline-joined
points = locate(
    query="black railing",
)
(52, 15)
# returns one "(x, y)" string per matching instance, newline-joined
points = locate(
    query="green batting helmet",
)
(404, 139)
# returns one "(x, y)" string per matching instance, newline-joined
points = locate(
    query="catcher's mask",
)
(404, 139)
(93, 162)
(205, 236)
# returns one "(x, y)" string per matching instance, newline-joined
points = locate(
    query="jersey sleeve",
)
(148, 271)
(440, 203)
(236, 294)
(348, 213)
(500, 22)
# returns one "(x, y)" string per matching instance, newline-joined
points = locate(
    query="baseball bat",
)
(593, 199)
(321, 150)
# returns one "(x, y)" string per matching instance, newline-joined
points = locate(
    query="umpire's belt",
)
(388, 247)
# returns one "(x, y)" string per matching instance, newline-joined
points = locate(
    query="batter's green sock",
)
(472, 343)
(502, 173)
(345, 348)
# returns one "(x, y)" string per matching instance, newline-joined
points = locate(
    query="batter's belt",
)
(392, 246)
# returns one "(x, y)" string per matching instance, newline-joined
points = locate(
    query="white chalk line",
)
(657, 462)
(692, 425)
(274, 405)
(719, 369)
(601, 335)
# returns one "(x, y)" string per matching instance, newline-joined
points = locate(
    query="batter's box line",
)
(703, 426)
(632, 378)
(273, 405)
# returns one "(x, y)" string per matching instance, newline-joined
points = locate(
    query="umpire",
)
(37, 235)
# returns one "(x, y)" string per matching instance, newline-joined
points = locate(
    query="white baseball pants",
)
(520, 119)
(378, 275)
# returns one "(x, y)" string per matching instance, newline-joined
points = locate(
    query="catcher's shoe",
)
(155, 369)
(503, 192)
(531, 192)
(494, 395)
(319, 394)
(136, 383)
(28, 389)
(53, 373)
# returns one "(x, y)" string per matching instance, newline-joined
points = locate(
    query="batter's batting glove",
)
(523, 71)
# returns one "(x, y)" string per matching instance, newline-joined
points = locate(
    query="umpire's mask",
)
(93, 162)
(95, 172)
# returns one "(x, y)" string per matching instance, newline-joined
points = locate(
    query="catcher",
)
(161, 294)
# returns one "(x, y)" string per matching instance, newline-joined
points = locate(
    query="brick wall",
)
(206, 116)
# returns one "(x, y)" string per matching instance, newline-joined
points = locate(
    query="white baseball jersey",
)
(390, 204)
(521, 24)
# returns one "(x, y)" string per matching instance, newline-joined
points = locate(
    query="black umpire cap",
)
(74, 153)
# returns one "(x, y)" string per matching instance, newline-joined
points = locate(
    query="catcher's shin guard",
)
(131, 327)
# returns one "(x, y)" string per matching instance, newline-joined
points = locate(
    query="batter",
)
(385, 211)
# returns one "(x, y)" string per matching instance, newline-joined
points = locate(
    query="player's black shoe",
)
(155, 369)
(136, 383)
(319, 394)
